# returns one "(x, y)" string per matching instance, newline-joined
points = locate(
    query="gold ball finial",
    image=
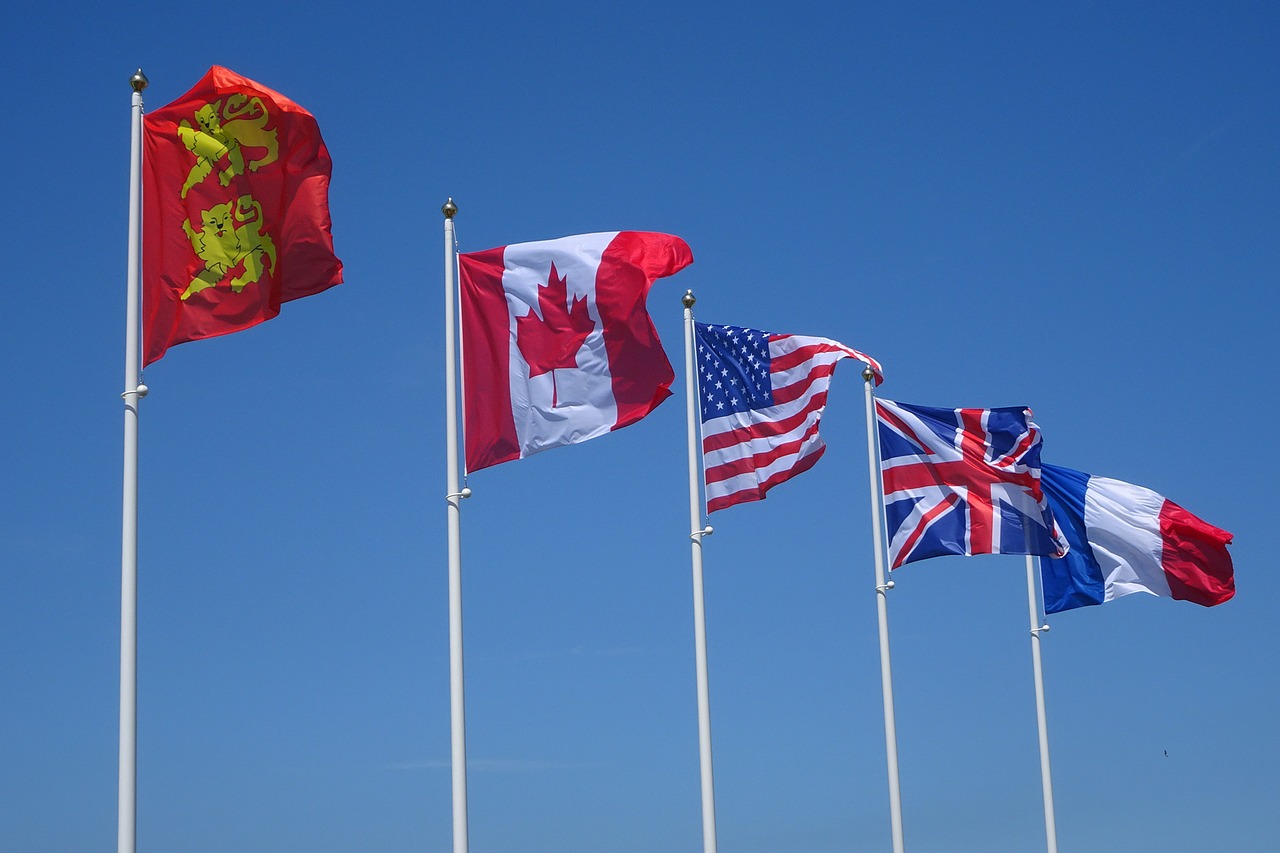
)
(449, 208)
(687, 300)
(868, 374)
(138, 81)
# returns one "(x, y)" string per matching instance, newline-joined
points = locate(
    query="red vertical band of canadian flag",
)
(557, 344)
(235, 211)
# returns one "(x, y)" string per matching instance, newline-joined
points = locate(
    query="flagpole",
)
(127, 820)
(1046, 779)
(457, 707)
(696, 532)
(882, 612)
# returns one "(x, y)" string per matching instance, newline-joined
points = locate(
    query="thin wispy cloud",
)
(1186, 158)
(494, 765)
(619, 652)
(576, 652)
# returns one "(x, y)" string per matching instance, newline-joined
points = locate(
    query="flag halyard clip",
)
(697, 535)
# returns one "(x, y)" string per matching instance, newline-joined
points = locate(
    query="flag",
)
(761, 397)
(235, 211)
(962, 481)
(557, 346)
(1126, 538)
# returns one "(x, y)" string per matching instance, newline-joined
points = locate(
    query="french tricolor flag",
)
(1126, 538)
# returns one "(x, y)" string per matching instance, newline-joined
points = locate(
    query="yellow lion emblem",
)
(230, 235)
(223, 131)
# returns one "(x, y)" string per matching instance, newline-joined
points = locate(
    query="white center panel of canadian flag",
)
(564, 401)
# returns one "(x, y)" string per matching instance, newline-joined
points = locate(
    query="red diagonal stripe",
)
(756, 461)
(756, 494)
(943, 506)
(797, 389)
(766, 429)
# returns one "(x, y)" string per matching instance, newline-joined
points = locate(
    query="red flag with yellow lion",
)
(236, 211)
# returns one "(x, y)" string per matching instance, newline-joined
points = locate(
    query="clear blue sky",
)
(1073, 208)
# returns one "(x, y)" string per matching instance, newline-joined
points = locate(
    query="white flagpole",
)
(882, 611)
(1046, 779)
(696, 532)
(126, 840)
(457, 707)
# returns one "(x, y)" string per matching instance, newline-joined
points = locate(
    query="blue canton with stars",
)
(733, 369)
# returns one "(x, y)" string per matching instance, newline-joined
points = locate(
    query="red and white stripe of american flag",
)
(744, 454)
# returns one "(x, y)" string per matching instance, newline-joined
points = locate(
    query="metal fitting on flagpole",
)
(688, 299)
(1036, 632)
(138, 81)
(697, 535)
(868, 375)
(449, 208)
(140, 392)
(465, 493)
(885, 587)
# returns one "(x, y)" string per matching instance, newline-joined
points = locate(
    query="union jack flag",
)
(962, 481)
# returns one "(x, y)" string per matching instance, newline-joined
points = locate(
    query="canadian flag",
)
(557, 345)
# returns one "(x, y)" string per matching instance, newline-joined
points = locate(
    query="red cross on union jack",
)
(962, 481)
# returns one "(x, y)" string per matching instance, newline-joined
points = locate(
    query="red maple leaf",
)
(552, 341)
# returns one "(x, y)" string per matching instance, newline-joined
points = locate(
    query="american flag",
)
(762, 396)
(962, 481)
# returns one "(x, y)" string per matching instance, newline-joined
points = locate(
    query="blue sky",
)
(1073, 209)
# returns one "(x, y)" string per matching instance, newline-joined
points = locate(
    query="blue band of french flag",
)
(1125, 539)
